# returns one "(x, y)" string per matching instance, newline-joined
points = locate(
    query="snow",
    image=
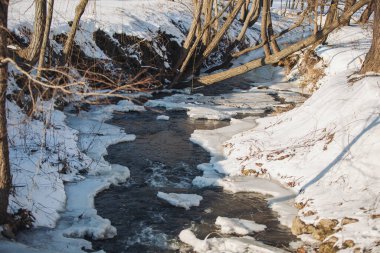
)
(180, 199)
(163, 117)
(227, 245)
(326, 150)
(213, 141)
(40, 149)
(238, 226)
(141, 18)
(324, 153)
(12, 247)
(37, 154)
(226, 106)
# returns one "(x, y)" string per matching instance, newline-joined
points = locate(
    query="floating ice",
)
(238, 226)
(181, 200)
(163, 117)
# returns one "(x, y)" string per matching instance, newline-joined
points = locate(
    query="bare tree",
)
(31, 53)
(349, 4)
(372, 60)
(198, 5)
(5, 177)
(207, 12)
(367, 12)
(264, 26)
(332, 15)
(200, 45)
(45, 40)
(277, 57)
(79, 10)
(186, 69)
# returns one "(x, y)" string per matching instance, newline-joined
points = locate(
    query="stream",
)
(162, 158)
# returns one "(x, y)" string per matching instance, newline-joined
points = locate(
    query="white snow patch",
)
(86, 138)
(238, 226)
(181, 200)
(228, 245)
(325, 151)
(163, 117)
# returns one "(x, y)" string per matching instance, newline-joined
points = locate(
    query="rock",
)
(324, 228)
(332, 239)
(347, 220)
(300, 205)
(298, 226)
(328, 247)
(327, 224)
(8, 232)
(301, 250)
(309, 213)
(348, 244)
(319, 234)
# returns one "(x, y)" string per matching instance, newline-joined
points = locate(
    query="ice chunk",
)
(163, 117)
(238, 226)
(181, 200)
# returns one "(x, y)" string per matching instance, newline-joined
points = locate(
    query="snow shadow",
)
(342, 154)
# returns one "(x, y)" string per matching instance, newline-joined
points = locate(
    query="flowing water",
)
(162, 158)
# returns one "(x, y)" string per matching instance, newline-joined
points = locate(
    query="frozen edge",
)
(81, 195)
(281, 200)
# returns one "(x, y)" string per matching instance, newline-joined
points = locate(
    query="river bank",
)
(323, 154)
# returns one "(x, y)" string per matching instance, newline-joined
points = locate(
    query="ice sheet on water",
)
(180, 199)
(231, 245)
(238, 226)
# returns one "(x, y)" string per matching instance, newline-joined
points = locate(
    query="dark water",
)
(163, 159)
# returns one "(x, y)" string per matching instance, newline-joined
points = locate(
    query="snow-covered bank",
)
(327, 146)
(72, 154)
(326, 151)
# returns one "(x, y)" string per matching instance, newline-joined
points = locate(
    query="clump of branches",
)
(213, 19)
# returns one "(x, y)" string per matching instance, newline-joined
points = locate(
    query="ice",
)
(163, 117)
(238, 226)
(227, 245)
(325, 152)
(180, 199)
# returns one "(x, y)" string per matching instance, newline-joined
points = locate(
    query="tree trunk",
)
(264, 26)
(67, 49)
(367, 12)
(250, 19)
(372, 60)
(32, 52)
(218, 36)
(5, 176)
(198, 5)
(45, 40)
(244, 11)
(331, 16)
(272, 39)
(184, 71)
(348, 5)
(275, 58)
(207, 12)
(216, 13)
